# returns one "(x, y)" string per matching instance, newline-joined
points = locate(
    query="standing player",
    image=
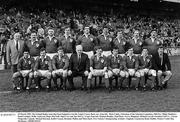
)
(51, 43)
(60, 65)
(136, 43)
(152, 43)
(105, 41)
(120, 42)
(68, 42)
(34, 45)
(43, 69)
(87, 41)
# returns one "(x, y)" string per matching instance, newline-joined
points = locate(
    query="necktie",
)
(161, 57)
(79, 59)
(17, 44)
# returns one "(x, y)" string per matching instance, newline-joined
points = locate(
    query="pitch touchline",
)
(5, 92)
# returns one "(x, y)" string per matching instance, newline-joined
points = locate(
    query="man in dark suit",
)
(78, 66)
(162, 65)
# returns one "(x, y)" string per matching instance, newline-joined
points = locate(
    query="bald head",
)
(79, 49)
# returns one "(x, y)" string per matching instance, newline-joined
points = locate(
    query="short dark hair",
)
(115, 48)
(42, 49)
(97, 47)
(60, 48)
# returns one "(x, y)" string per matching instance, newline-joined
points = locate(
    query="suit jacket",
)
(75, 65)
(12, 53)
(166, 65)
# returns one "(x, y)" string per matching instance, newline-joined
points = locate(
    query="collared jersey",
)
(87, 43)
(43, 64)
(105, 43)
(145, 62)
(51, 45)
(131, 62)
(68, 44)
(115, 62)
(98, 63)
(25, 63)
(60, 62)
(34, 49)
(137, 46)
(120, 44)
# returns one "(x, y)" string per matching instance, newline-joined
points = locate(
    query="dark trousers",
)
(14, 68)
(75, 74)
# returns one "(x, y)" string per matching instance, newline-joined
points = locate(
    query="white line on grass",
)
(5, 92)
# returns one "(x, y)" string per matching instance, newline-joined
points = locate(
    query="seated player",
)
(24, 67)
(43, 69)
(116, 68)
(98, 67)
(60, 65)
(131, 66)
(145, 69)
